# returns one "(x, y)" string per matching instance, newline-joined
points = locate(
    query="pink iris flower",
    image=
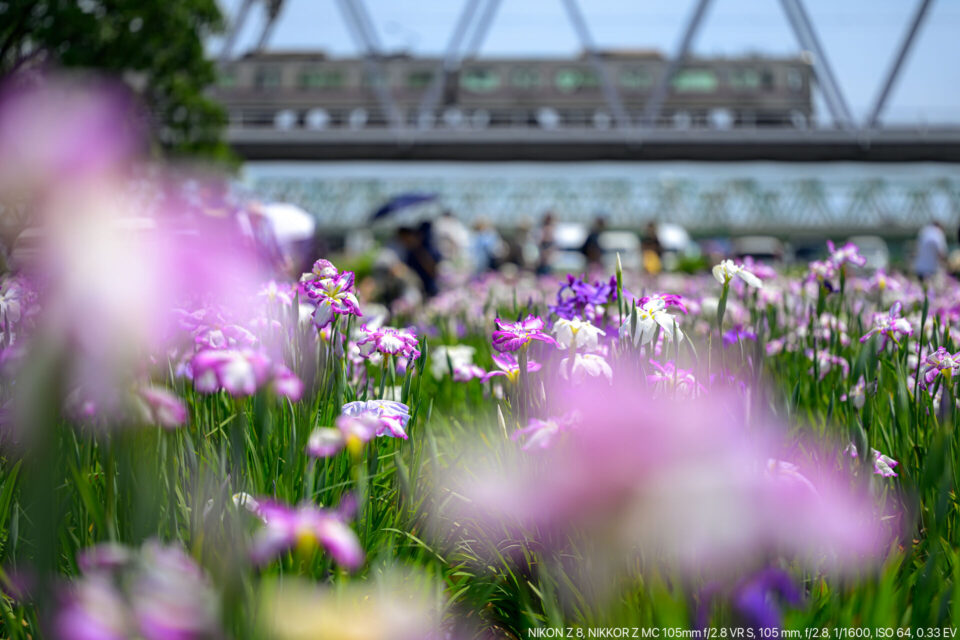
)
(156, 593)
(306, 527)
(241, 373)
(663, 301)
(512, 336)
(389, 342)
(509, 367)
(542, 434)
(162, 407)
(890, 326)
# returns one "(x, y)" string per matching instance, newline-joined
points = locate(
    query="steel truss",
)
(477, 16)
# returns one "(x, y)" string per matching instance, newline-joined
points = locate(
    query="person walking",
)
(931, 251)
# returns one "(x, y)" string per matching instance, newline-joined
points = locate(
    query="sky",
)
(859, 36)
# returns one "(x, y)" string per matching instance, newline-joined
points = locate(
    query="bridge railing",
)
(736, 205)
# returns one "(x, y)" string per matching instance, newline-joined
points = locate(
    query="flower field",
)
(198, 445)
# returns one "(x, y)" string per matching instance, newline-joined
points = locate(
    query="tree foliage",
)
(155, 46)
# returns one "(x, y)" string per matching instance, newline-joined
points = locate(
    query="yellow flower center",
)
(306, 541)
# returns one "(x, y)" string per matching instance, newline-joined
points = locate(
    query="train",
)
(311, 90)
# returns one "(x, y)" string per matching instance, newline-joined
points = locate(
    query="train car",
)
(311, 90)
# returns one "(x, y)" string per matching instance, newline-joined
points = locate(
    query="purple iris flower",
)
(941, 362)
(738, 334)
(847, 254)
(577, 297)
(756, 598)
(512, 336)
(334, 297)
(390, 417)
(889, 326)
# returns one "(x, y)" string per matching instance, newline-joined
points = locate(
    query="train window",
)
(373, 79)
(525, 78)
(321, 79)
(635, 78)
(745, 79)
(570, 80)
(794, 79)
(695, 80)
(766, 79)
(420, 79)
(267, 78)
(567, 80)
(480, 80)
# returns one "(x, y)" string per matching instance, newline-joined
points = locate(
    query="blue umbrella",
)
(401, 202)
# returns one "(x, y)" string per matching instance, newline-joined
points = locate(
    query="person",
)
(931, 250)
(487, 247)
(650, 249)
(546, 244)
(420, 256)
(650, 240)
(591, 248)
(518, 245)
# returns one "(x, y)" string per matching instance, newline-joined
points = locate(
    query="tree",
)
(155, 46)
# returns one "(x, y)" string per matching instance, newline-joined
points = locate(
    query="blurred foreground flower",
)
(685, 484)
(62, 132)
(158, 593)
(160, 406)
(542, 434)
(755, 599)
(115, 248)
(582, 365)
(392, 608)
(241, 373)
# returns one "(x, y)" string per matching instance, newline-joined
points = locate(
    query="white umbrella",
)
(290, 223)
